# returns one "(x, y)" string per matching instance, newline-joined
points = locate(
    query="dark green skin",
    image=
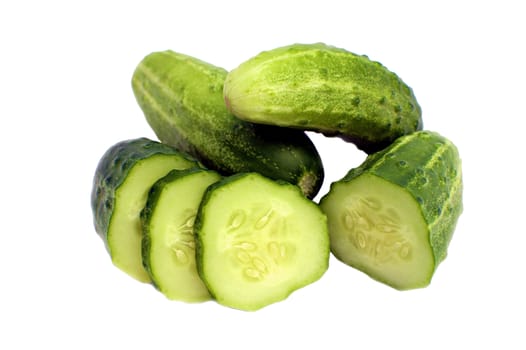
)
(325, 89)
(182, 99)
(112, 170)
(428, 166)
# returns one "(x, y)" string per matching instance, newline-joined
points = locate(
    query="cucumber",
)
(258, 240)
(394, 216)
(168, 242)
(121, 183)
(325, 89)
(182, 100)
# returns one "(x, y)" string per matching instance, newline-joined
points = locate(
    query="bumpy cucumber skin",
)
(112, 170)
(428, 166)
(182, 99)
(147, 212)
(326, 89)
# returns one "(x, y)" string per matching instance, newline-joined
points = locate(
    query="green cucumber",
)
(182, 100)
(325, 89)
(258, 240)
(121, 183)
(168, 242)
(394, 216)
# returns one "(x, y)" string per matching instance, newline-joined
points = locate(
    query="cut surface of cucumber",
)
(125, 234)
(394, 216)
(258, 241)
(168, 241)
(377, 227)
(122, 180)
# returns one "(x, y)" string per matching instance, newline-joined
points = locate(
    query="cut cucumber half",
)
(122, 180)
(258, 241)
(377, 227)
(393, 217)
(168, 242)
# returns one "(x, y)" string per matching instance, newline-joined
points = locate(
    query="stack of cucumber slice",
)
(221, 206)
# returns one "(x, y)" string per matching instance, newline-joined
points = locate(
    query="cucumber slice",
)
(168, 242)
(258, 241)
(122, 180)
(393, 217)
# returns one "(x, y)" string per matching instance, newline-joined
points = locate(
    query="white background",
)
(65, 97)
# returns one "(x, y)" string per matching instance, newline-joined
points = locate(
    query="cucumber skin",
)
(325, 89)
(428, 166)
(112, 170)
(182, 99)
(147, 211)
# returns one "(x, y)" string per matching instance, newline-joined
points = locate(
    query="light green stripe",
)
(169, 94)
(454, 189)
(201, 66)
(400, 142)
(148, 73)
(152, 102)
(438, 152)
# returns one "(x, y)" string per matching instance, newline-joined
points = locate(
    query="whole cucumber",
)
(182, 99)
(326, 89)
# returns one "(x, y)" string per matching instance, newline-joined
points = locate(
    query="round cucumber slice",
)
(168, 242)
(258, 241)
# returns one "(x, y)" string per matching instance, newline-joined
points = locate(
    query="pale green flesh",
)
(125, 231)
(172, 244)
(260, 243)
(378, 228)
